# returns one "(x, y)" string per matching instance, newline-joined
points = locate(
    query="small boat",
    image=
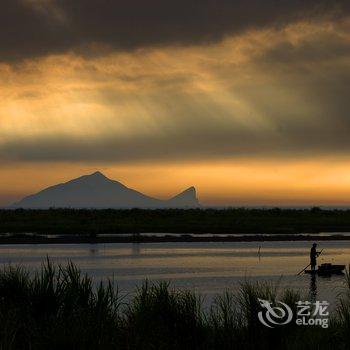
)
(327, 270)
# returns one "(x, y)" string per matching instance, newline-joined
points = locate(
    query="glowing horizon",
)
(218, 184)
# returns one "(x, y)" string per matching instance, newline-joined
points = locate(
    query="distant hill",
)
(98, 191)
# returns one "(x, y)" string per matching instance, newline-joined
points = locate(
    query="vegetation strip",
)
(59, 307)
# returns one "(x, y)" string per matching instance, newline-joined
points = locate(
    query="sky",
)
(246, 100)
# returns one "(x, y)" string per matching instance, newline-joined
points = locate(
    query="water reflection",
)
(313, 287)
(259, 253)
(135, 249)
(93, 249)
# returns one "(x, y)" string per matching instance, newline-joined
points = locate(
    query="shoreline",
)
(79, 239)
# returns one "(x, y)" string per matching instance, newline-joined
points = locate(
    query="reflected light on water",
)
(206, 267)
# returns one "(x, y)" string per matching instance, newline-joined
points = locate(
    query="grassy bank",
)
(59, 308)
(279, 221)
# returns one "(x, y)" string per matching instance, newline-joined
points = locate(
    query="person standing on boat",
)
(313, 256)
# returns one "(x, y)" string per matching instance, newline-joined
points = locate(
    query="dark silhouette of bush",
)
(237, 220)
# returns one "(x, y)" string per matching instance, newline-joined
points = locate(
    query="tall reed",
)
(61, 308)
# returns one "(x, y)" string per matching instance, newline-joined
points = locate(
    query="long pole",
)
(308, 265)
(303, 269)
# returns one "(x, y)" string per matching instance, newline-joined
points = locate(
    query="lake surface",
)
(208, 268)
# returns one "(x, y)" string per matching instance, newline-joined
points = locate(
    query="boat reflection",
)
(313, 287)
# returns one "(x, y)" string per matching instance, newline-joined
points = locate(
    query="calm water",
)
(208, 268)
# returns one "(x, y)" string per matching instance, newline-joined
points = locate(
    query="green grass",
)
(61, 308)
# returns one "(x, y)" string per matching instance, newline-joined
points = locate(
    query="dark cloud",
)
(313, 50)
(185, 146)
(30, 28)
(290, 141)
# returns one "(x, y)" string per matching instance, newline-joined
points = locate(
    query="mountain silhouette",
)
(98, 191)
